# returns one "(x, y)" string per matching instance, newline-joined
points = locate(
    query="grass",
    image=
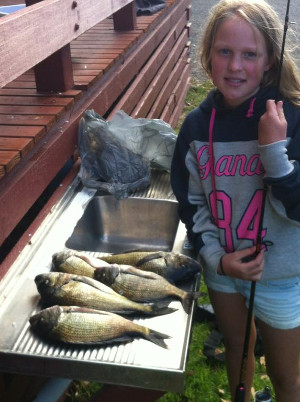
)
(205, 381)
(196, 93)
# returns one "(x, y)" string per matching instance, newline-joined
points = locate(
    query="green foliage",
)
(82, 391)
(195, 95)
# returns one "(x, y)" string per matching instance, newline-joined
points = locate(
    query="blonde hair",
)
(262, 16)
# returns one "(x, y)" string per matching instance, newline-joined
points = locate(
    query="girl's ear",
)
(268, 66)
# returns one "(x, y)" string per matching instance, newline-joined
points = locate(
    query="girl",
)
(238, 144)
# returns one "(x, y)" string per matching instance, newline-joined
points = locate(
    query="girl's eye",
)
(250, 55)
(224, 52)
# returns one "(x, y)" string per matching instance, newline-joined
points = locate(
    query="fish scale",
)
(139, 289)
(87, 326)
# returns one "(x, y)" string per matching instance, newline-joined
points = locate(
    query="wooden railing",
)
(39, 36)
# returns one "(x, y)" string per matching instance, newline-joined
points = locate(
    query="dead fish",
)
(142, 286)
(175, 267)
(75, 290)
(76, 263)
(79, 325)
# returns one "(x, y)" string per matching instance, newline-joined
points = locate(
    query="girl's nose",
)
(235, 63)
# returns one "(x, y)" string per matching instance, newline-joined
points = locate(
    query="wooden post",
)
(125, 18)
(55, 73)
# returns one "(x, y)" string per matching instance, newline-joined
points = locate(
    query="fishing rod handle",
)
(240, 393)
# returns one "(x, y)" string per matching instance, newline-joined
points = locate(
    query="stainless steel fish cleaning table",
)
(139, 363)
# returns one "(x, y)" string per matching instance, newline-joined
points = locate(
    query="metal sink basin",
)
(140, 363)
(112, 226)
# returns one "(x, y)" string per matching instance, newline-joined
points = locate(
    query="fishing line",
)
(286, 25)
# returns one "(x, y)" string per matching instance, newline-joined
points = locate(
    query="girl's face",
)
(239, 59)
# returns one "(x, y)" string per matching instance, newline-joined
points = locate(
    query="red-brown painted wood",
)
(27, 120)
(54, 23)
(156, 86)
(153, 65)
(21, 90)
(26, 236)
(55, 73)
(156, 110)
(40, 164)
(125, 18)
(22, 145)
(43, 110)
(37, 101)
(34, 132)
(8, 159)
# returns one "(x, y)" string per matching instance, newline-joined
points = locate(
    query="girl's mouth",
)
(234, 81)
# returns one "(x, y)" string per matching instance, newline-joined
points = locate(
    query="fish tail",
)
(188, 299)
(161, 309)
(157, 338)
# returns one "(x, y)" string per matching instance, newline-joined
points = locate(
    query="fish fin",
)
(139, 272)
(150, 257)
(93, 283)
(93, 262)
(83, 310)
(134, 250)
(188, 300)
(85, 279)
(157, 338)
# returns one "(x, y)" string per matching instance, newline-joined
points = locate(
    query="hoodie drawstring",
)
(251, 108)
(212, 166)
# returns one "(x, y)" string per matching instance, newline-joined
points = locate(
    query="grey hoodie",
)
(219, 173)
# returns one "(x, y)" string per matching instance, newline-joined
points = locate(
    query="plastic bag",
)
(152, 139)
(116, 155)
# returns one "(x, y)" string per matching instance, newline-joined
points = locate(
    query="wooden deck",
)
(26, 115)
(144, 72)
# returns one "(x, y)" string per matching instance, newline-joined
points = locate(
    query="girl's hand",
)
(234, 266)
(272, 124)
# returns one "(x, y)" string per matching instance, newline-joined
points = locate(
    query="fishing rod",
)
(286, 25)
(240, 391)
